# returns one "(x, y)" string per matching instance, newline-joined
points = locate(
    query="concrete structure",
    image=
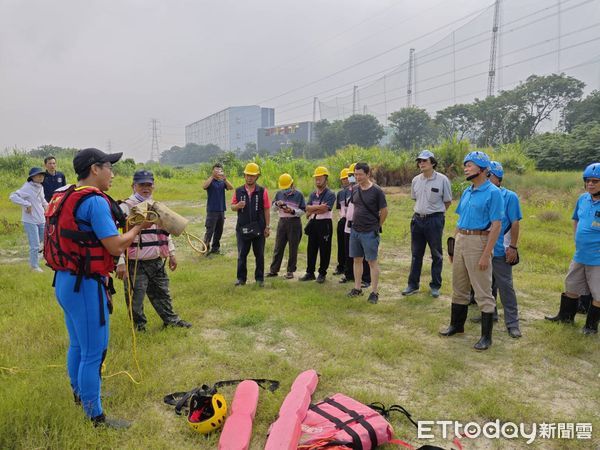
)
(272, 139)
(231, 128)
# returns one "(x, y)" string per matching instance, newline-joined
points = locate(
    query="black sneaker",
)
(373, 298)
(116, 424)
(271, 275)
(307, 277)
(364, 284)
(321, 279)
(344, 280)
(354, 293)
(289, 275)
(240, 282)
(338, 271)
(179, 324)
(409, 290)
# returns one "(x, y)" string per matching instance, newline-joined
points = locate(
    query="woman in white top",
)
(32, 201)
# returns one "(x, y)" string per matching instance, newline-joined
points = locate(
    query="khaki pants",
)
(466, 273)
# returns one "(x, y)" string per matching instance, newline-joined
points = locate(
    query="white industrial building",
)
(231, 128)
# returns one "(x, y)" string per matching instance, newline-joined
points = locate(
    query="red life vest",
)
(66, 246)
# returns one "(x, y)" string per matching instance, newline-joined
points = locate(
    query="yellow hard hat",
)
(320, 171)
(285, 181)
(252, 169)
(343, 173)
(351, 168)
(207, 412)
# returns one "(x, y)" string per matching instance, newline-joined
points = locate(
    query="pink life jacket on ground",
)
(237, 431)
(285, 431)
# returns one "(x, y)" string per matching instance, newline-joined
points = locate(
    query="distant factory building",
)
(272, 139)
(231, 128)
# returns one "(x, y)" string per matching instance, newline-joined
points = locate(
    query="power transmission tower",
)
(154, 151)
(411, 67)
(354, 99)
(315, 101)
(493, 48)
(109, 146)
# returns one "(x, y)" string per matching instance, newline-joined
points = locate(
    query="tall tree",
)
(412, 127)
(363, 129)
(582, 111)
(456, 120)
(330, 136)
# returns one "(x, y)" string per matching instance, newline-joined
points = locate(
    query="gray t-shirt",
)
(431, 193)
(363, 220)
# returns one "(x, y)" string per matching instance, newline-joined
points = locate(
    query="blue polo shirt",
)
(587, 235)
(216, 196)
(479, 207)
(52, 182)
(512, 213)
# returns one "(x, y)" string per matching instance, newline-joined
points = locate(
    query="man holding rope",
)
(144, 272)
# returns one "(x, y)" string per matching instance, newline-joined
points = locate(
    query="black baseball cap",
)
(143, 176)
(89, 156)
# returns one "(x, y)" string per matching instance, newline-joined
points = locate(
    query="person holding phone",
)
(215, 186)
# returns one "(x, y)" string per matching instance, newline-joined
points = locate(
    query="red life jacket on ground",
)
(66, 246)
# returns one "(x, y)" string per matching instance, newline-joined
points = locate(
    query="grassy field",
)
(388, 352)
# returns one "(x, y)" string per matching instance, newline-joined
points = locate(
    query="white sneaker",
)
(36, 269)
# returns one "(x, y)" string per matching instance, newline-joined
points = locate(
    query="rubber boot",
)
(116, 424)
(458, 317)
(591, 322)
(584, 304)
(567, 311)
(487, 324)
(477, 319)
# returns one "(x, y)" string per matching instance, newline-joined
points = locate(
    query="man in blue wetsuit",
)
(82, 223)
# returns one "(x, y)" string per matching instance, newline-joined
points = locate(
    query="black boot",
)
(567, 311)
(487, 323)
(458, 316)
(103, 421)
(584, 304)
(477, 319)
(591, 323)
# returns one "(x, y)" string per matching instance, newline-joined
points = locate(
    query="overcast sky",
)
(81, 73)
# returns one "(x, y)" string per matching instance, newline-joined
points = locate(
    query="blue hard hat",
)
(496, 169)
(34, 171)
(143, 176)
(478, 158)
(592, 171)
(425, 154)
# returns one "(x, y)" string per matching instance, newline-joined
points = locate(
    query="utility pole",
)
(154, 151)
(354, 99)
(411, 63)
(494, 45)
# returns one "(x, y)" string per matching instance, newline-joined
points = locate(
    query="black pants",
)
(349, 264)
(319, 242)
(214, 230)
(341, 247)
(258, 248)
(423, 232)
(289, 230)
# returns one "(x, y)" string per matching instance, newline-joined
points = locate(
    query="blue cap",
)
(478, 158)
(496, 169)
(143, 176)
(425, 154)
(34, 171)
(592, 171)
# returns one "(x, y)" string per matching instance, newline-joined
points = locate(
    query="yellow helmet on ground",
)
(321, 171)
(285, 181)
(207, 412)
(343, 173)
(351, 168)
(252, 169)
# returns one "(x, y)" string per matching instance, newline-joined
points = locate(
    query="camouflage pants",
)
(151, 279)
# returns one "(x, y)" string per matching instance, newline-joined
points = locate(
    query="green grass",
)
(389, 352)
